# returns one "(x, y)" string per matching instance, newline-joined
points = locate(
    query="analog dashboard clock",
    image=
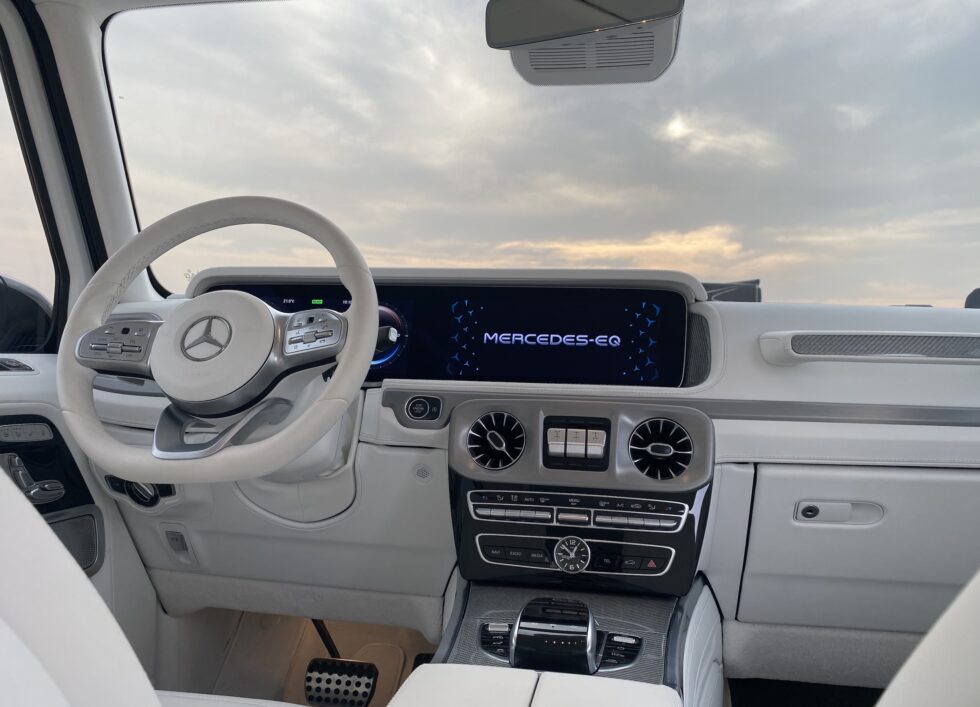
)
(572, 554)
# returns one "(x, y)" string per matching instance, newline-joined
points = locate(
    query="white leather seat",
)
(59, 644)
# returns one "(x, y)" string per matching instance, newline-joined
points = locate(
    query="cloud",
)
(822, 146)
(720, 136)
(854, 117)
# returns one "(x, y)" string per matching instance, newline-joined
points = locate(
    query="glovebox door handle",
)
(841, 512)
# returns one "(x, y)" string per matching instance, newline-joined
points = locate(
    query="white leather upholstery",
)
(444, 685)
(59, 644)
(23, 680)
(54, 612)
(480, 686)
(556, 690)
(943, 668)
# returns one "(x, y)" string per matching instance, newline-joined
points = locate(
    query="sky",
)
(829, 148)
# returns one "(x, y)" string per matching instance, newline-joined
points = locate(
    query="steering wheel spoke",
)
(119, 346)
(180, 435)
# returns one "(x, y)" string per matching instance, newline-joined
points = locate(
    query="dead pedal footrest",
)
(333, 681)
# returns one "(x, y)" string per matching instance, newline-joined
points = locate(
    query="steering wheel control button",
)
(312, 330)
(121, 345)
(423, 408)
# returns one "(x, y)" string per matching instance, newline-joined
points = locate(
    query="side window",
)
(27, 270)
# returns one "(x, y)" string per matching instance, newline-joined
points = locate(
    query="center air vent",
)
(660, 448)
(496, 440)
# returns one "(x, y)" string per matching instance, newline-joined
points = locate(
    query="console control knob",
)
(145, 495)
(572, 554)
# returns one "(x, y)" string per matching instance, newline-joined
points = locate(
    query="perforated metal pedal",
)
(347, 683)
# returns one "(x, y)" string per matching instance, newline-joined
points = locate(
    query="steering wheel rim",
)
(232, 463)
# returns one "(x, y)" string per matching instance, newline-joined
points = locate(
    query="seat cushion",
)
(438, 685)
(445, 685)
(190, 699)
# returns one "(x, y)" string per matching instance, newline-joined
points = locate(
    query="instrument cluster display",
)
(584, 335)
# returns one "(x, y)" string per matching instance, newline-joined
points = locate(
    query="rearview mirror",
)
(513, 23)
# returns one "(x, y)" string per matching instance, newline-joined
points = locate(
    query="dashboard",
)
(525, 334)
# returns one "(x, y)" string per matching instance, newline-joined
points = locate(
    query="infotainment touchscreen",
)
(580, 335)
(567, 335)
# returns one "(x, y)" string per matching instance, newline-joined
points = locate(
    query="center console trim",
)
(588, 542)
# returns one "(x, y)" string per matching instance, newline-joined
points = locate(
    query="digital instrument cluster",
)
(583, 335)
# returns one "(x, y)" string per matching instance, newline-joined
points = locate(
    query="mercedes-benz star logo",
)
(206, 338)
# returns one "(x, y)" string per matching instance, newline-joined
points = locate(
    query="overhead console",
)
(521, 331)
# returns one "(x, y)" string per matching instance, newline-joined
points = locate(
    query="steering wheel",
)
(217, 357)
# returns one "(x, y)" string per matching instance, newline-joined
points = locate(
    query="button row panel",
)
(576, 443)
(587, 511)
(606, 557)
(580, 500)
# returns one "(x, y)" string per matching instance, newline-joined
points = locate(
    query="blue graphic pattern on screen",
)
(462, 339)
(643, 368)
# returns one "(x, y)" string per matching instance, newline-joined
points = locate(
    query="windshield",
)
(831, 150)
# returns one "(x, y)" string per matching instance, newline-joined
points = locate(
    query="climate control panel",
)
(575, 510)
(554, 537)
(575, 555)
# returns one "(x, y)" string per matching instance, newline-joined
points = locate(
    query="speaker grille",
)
(938, 346)
(698, 363)
(80, 536)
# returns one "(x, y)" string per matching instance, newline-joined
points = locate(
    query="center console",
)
(547, 496)
(578, 526)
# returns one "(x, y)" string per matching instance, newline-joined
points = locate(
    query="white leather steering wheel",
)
(217, 356)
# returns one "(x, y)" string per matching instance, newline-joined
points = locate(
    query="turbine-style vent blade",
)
(660, 448)
(496, 440)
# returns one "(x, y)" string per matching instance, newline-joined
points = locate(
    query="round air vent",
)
(496, 440)
(660, 448)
